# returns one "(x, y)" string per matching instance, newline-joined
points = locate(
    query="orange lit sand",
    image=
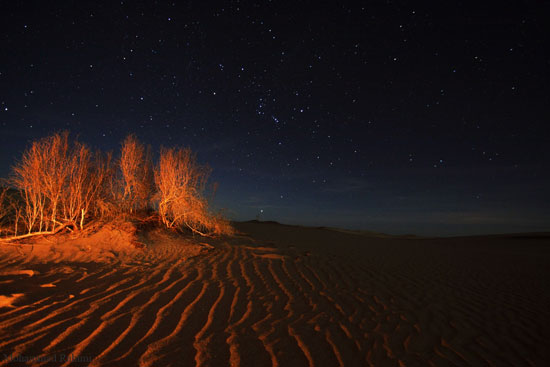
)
(280, 295)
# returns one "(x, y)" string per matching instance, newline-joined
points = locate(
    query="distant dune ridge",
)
(275, 295)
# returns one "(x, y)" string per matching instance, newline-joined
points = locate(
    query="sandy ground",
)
(276, 296)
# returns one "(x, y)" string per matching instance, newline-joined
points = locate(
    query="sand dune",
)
(280, 296)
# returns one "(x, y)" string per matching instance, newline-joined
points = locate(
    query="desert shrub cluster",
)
(60, 183)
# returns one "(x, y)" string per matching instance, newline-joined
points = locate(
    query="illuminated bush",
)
(62, 183)
(181, 183)
(137, 175)
(58, 181)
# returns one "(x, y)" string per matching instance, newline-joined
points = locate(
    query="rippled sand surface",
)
(278, 296)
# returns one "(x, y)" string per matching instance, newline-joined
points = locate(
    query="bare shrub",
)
(59, 182)
(52, 176)
(181, 183)
(137, 175)
(104, 206)
(85, 182)
(27, 178)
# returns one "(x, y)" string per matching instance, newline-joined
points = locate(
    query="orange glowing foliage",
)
(58, 181)
(181, 183)
(137, 174)
(62, 183)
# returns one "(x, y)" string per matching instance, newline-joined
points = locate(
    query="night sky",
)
(371, 115)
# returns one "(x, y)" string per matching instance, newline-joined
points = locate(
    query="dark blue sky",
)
(379, 115)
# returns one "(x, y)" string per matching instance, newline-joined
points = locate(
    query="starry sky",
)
(379, 115)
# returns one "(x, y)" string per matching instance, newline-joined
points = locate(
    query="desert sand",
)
(275, 295)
